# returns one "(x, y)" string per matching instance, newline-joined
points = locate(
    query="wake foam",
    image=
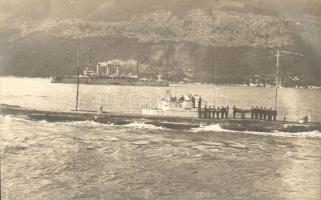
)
(211, 128)
(89, 124)
(142, 125)
(218, 128)
(84, 124)
(304, 134)
(9, 118)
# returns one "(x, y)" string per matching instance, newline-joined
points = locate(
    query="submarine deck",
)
(120, 118)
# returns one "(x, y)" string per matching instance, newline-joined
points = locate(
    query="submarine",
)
(185, 112)
(173, 113)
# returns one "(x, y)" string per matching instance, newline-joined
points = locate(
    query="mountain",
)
(212, 41)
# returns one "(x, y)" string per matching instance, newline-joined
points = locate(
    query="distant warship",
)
(108, 74)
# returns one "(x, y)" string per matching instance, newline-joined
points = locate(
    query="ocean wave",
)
(211, 128)
(89, 124)
(218, 128)
(304, 134)
(9, 118)
(25, 119)
(143, 125)
(84, 124)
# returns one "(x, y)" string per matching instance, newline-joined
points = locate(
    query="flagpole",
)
(77, 93)
(276, 79)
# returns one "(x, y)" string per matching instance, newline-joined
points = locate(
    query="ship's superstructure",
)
(171, 106)
(109, 74)
(192, 106)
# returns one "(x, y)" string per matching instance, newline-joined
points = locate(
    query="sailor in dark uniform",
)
(227, 111)
(213, 112)
(100, 109)
(252, 112)
(261, 113)
(265, 113)
(208, 112)
(274, 114)
(256, 112)
(193, 102)
(199, 107)
(242, 114)
(306, 119)
(218, 110)
(270, 114)
(234, 111)
(222, 112)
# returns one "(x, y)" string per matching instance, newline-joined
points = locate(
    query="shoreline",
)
(311, 87)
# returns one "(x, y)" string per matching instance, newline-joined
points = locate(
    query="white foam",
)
(217, 128)
(306, 134)
(141, 142)
(12, 117)
(211, 128)
(86, 123)
(142, 125)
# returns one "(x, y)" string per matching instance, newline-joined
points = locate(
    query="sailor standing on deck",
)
(252, 112)
(256, 112)
(306, 119)
(218, 110)
(214, 112)
(199, 107)
(270, 114)
(274, 114)
(222, 112)
(208, 112)
(261, 113)
(205, 111)
(227, 111)
(265, 113)
(193, 101)
(100, 109)
(234, 111)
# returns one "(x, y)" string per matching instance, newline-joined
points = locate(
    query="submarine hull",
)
(122, 118)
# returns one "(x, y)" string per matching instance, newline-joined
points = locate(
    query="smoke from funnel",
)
(126, 63)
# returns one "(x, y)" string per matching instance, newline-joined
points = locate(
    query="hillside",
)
(227, 42)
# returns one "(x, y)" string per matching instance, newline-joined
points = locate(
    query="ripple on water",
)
(141, 142)
(14, 149)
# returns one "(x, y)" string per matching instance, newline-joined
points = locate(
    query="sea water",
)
(88, 160)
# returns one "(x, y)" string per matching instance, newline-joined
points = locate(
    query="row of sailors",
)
(222, 113)
(214, 112)
(263, 113)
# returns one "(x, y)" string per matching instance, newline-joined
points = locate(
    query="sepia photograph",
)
(160, 99)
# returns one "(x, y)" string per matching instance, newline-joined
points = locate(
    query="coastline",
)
(178, 84)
